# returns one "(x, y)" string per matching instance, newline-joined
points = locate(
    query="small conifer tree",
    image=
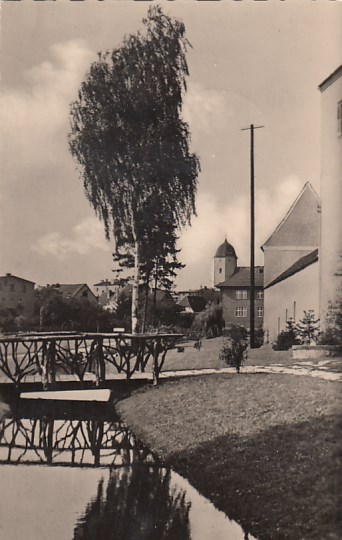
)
(308, 328)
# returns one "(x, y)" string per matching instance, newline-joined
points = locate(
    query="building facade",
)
(291, 270)
(331, 191)
(17, 294)
(235, 288)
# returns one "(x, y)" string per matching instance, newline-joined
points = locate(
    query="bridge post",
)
(156, 370)
(100, 364)
(51, 363)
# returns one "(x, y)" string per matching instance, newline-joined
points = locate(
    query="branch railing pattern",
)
(47, 356)
(75, 443)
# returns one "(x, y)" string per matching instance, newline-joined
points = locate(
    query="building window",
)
(220, 271)
(241, 294)
(339, 118)
(260, 312)
(240, 311)
(12, 287)
(260, 295)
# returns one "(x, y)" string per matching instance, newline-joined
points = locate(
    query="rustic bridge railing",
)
(46, 358)
(66, 442)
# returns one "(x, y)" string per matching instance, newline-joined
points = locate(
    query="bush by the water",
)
(234, 348)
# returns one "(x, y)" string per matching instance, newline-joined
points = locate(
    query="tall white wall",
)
(331, 198)
(291, 298)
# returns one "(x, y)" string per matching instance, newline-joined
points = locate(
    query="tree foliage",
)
(287, 337)
(129, 139)
(234, 347)
(56, 312)
(209, 322)
(308, 328)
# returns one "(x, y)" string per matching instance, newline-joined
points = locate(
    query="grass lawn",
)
(265, 449)
(208, 356)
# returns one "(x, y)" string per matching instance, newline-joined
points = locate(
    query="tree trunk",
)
(155, 293)
(145, 303)
(135, 290)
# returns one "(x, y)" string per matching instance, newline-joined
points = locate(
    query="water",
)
(71, 470)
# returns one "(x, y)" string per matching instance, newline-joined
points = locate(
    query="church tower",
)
(225, 262)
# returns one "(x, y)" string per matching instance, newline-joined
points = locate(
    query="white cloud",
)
(205, 108)
(33, 117)
(86, 236)
(214, 222)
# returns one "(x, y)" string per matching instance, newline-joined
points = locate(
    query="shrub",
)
(287, 337)
(259, 337)
(234, 348)
(332, 335)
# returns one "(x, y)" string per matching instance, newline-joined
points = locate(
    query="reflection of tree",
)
(137, 504)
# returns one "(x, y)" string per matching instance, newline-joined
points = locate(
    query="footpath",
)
(307, 368)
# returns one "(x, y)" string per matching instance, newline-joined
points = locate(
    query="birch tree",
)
(129, 139)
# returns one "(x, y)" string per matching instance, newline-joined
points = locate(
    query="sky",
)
(250, 63)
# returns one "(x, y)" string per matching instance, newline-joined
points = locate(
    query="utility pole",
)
(251, 128)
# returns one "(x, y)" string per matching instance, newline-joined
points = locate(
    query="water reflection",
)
(78, 437)
(94, 481)
(136, 503)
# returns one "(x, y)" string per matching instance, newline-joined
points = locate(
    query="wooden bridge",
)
(48, 360)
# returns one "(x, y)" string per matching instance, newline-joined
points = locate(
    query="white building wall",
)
(290, 298)
(331, 198)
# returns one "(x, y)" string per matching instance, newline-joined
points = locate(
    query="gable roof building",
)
(234, 284)
(296, 236)
(291, 264)
(78, 291)
(331, 192)
(192, 303)
(17, 294)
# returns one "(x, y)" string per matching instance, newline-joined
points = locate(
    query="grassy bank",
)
(264, 448)
(208, 356)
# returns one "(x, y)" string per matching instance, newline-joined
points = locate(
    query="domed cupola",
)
(225, 262)
(225, 250)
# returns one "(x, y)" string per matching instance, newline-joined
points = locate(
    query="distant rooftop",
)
(8, 274)
(242, 277)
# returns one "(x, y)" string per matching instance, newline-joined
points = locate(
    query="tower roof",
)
(225, 250)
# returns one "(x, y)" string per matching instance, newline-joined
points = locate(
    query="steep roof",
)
(242, 277)
(225, 250)
(331, 79)
(196, 303)
(72, 289)
(299, 265)
(300, 226)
